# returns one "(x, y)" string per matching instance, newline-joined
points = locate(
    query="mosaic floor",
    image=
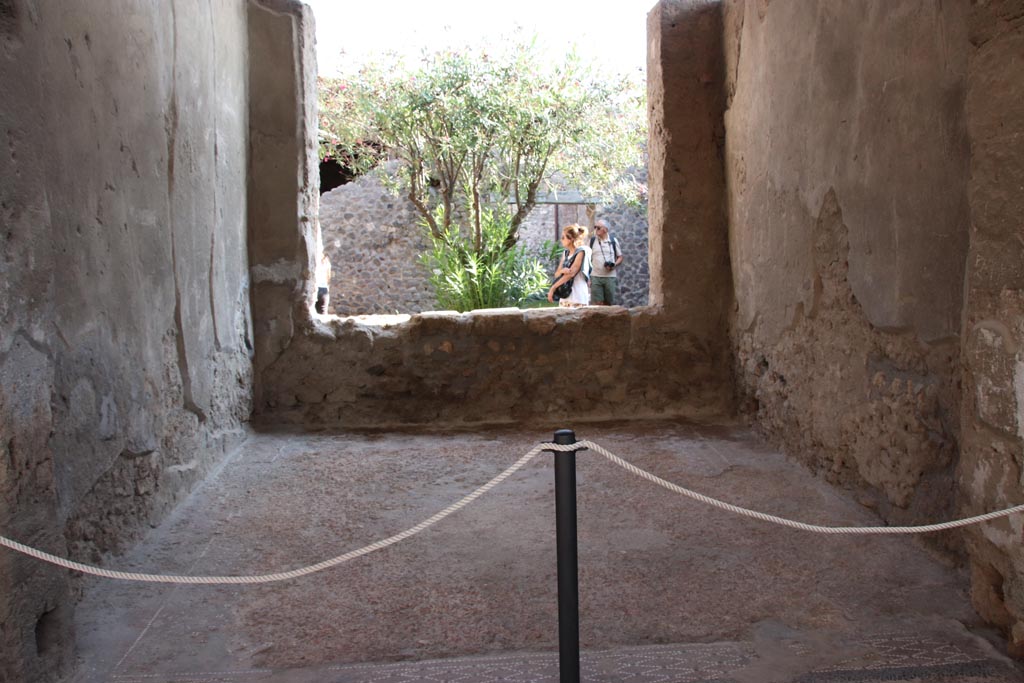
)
(670, 590)
(883, 657)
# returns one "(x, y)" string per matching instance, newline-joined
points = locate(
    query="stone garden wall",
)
(374, 241)
(628, 222)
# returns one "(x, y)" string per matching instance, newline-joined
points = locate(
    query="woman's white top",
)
(580, 284)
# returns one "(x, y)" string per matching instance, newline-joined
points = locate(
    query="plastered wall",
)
(124, 316)
(847, 158)
(874, 163)
(284, 235)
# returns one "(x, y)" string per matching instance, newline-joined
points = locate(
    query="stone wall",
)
(124, 338)
(629, 224)
(501, 366)
(992, 433)
(374, 241)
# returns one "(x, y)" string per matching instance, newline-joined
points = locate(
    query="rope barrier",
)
(816, 528)
(281, 576)
(430, 521)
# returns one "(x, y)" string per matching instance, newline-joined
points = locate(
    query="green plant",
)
(466, 276)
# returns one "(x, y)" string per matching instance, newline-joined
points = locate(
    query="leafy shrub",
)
(466, 276)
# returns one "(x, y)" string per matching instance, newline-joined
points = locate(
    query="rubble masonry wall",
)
(989, 475)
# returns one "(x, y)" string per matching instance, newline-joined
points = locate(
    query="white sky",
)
(613, 33)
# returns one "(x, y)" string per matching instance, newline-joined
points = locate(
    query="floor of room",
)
(670, 589)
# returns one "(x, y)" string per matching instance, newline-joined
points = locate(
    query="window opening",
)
(375, 238)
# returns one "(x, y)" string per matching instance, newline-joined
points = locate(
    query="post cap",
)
(564, 437)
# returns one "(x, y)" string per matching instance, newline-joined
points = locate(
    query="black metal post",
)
(568, 579)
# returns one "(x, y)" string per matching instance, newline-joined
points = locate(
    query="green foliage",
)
(477, 128)
(344, 130)
(467, 277)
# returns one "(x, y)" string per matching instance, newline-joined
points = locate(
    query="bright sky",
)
(612, 33)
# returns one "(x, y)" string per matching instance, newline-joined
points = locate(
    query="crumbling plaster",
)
(124, 344)
(875, 172)
(847, 159)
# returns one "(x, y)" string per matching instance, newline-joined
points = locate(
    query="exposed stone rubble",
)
(856, 403)
(991, 469)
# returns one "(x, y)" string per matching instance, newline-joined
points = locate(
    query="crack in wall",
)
(216, 186)
(171, 127)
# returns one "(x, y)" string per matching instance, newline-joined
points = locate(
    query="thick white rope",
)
(412, 531)
(927, 528)
(281, 576)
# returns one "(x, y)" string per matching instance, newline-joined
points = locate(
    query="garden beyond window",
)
(460, 171)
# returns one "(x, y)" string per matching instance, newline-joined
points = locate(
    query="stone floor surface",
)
(670, 589)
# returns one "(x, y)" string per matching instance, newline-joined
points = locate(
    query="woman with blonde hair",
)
(574, 266)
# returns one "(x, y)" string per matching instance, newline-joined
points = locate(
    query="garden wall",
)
(629, 224)
(374, 241)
